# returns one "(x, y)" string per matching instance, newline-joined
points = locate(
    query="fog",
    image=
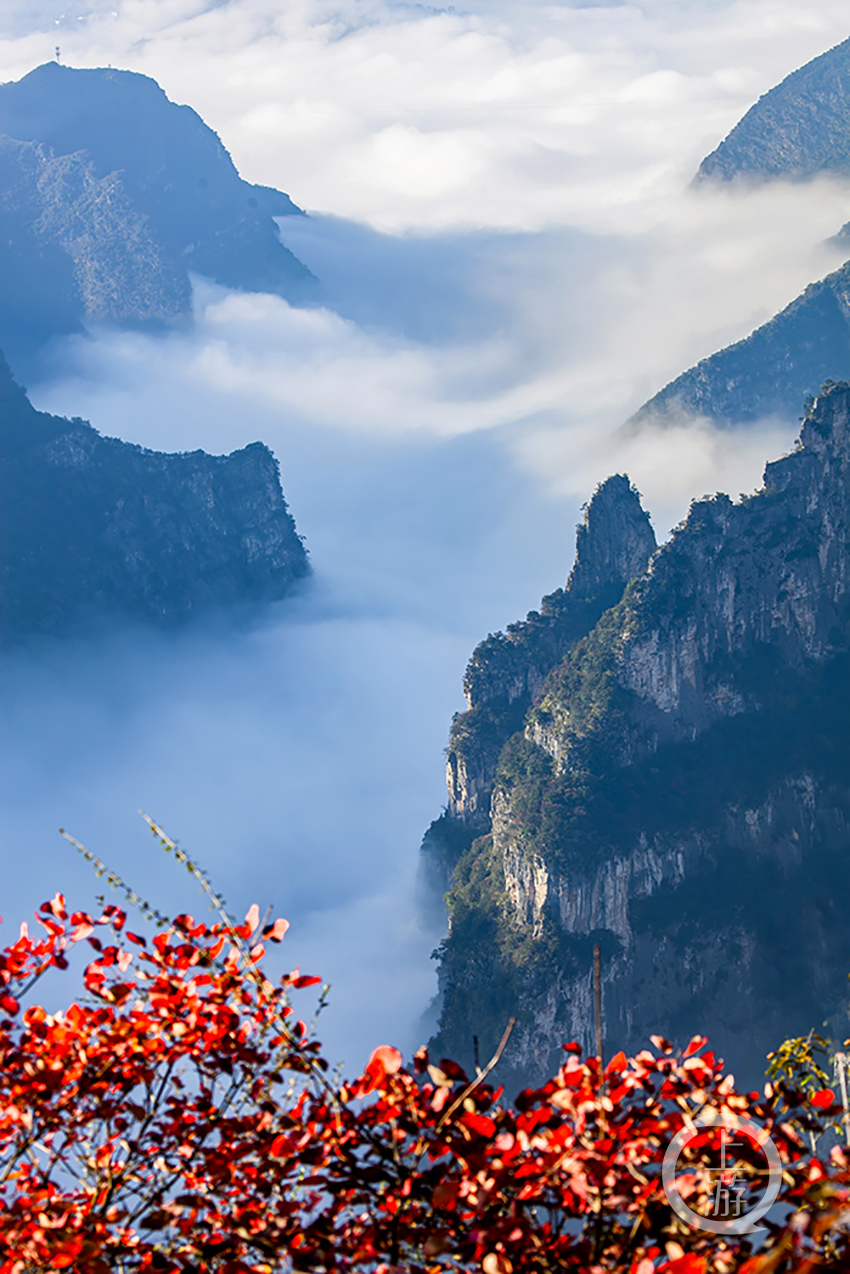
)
(512, 261)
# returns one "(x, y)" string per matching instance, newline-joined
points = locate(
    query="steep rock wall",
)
(680, 795)
(508, 671)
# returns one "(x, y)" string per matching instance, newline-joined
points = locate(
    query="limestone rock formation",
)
(92, 528)
(507, 671)
(679, 793)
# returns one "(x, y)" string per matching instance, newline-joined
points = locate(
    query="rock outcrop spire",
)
(614, 543)
(508, 670)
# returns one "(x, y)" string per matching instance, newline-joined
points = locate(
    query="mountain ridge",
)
(769, 373)
(797, 129)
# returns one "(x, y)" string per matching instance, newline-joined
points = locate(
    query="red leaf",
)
(252, 918)
(384, 1061)
(687, 1264)
(496, 1263)
(480, 1124)
(821, 1099)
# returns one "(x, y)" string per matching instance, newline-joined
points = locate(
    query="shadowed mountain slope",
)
(92, 528)
(109, 195)
(796, 130)
(772, 371)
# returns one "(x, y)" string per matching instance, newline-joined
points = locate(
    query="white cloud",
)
(553, 339)
(512, 115)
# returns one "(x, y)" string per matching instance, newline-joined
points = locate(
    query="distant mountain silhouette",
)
(772, 371)
(110, 194)
(798, 129)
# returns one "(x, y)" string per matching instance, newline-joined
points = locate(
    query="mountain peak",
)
(615, 541)
(110, 194)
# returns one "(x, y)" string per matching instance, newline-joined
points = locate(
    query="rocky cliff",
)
(110, 194)
(508, 670)
(92, 528)
(679, 793)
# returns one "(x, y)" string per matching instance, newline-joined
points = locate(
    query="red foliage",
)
(181, 1120)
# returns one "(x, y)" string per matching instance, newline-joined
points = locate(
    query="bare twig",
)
(481, 1076)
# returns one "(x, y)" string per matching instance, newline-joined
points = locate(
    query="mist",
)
(512, 261)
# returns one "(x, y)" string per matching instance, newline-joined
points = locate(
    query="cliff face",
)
(92, 527)
(680, 794)
(508, 670)
(109, 195)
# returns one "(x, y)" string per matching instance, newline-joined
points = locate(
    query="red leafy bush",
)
(182, 1119)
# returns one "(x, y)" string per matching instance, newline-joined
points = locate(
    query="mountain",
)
(677, 792)
(798, 129)
(772, 371)
(110, 194)
(92, 528)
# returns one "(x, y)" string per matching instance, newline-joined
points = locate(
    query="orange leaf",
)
(276, 931)
(384, 1061)
(496, 1263)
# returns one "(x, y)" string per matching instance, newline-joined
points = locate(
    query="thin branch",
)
(481, 1076)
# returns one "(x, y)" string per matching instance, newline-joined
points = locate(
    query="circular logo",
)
(727, 1211)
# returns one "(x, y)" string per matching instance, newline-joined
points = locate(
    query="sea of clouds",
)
(512, 261)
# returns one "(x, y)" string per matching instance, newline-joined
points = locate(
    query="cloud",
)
(549, 340)
(301, 759)
(520, 116)
(282, 758)
(512, 263)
